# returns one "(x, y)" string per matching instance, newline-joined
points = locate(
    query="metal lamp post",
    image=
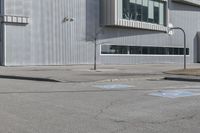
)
(185, 52)
(95, 46)
(95, 53)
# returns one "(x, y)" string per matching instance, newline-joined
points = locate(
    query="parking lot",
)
(121, 106)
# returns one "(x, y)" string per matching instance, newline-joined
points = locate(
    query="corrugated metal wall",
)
(47, 40)
(185, 16)
(1, 34)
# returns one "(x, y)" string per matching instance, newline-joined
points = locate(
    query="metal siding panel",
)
(49, 41)
(52, 41)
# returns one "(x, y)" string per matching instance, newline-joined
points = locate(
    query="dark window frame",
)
(143, 50)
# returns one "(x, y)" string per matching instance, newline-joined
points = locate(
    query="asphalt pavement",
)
(97, 107)
(113, 99)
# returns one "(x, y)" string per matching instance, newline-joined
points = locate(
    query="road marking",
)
(182, 87)
(176, 93)
(113, 86)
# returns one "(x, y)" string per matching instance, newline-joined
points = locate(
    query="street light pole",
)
(95, 46)
(185, 52)
(95, 53)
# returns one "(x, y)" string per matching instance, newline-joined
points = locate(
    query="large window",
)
(152, 11)
(131, 50)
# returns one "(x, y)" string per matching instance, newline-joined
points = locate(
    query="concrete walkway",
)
(84, 73)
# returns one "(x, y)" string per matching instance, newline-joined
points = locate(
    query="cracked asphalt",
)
(48, 107)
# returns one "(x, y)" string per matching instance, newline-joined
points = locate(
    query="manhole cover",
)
(175, 93)
(113, 86)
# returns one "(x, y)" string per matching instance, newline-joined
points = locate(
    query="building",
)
(61, 32)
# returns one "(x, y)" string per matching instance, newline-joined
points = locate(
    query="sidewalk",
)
(84, 73)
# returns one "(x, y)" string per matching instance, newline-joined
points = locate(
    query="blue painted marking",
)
(174, 93)
(113, 86)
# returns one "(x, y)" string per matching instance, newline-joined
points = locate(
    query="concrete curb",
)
(62, 81)
(46, 79)
(183, 78)
(28, 78)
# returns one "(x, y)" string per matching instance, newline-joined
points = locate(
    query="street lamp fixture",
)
(185, 52)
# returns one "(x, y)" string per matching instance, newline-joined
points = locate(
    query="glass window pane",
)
(139, 12)
(119, 49)
(132, 1)
(145, 50)
(139, 2)
(125, 9)
(145, 14)
(176, 51)
(181, 51)
(161, 14)
(105, 49)
(156, 15)
(115, 49)
(145, 3)
(171, 51)
(156, 4)
(167, 51)
(187, 51)
(135, 50)
(151, 10)
(132, 13)
(152, 50)
(158, 50)
(164, 51)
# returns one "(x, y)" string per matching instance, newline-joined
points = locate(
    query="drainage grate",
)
(175, 93)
